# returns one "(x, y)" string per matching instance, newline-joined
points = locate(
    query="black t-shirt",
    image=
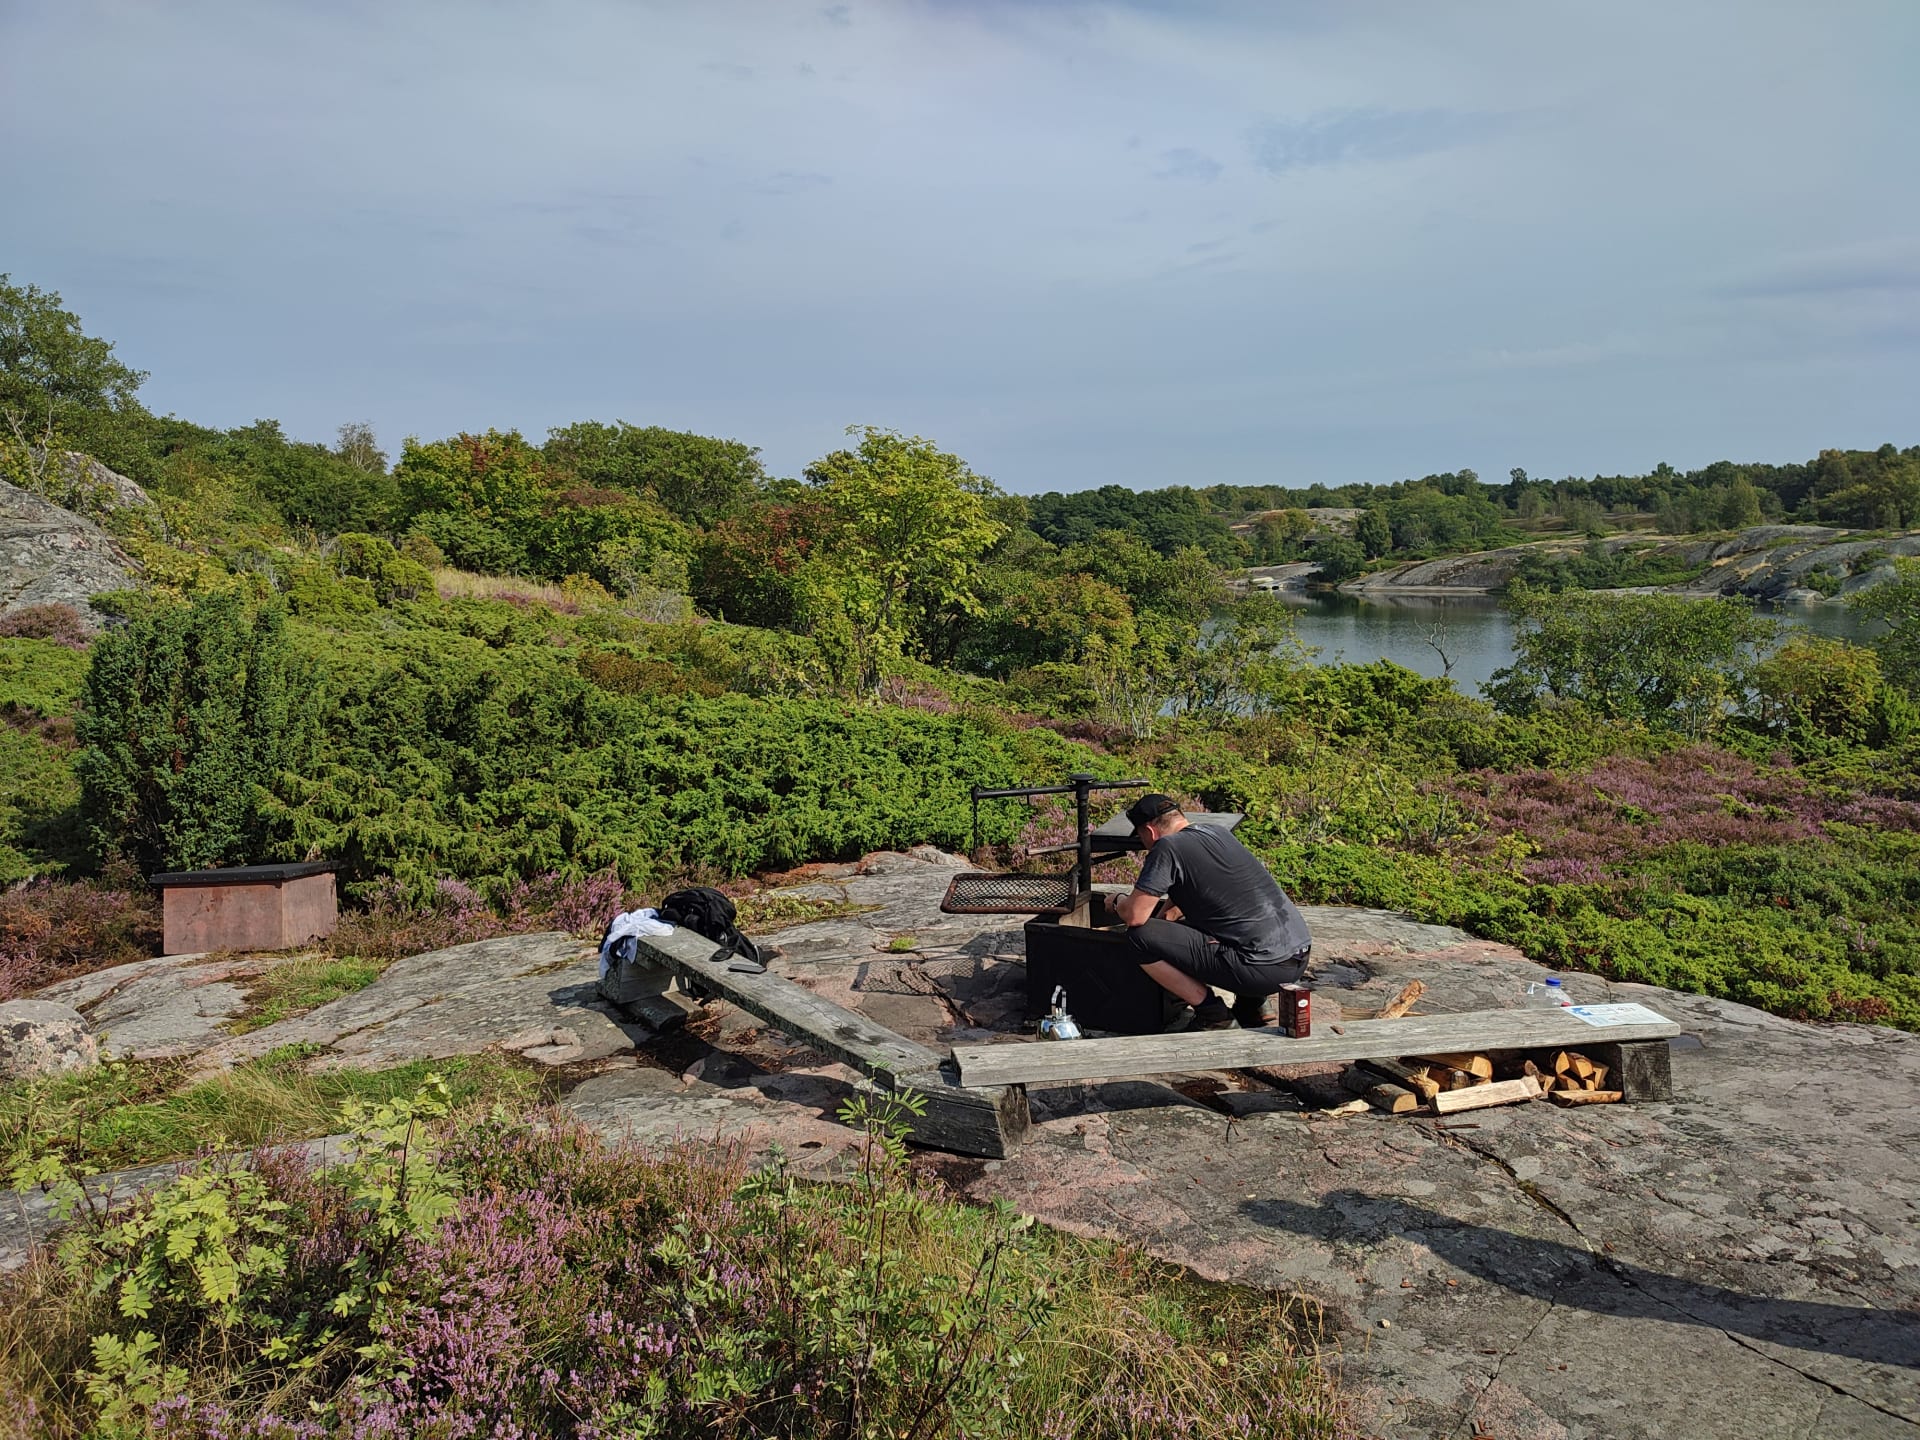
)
(1224, 891)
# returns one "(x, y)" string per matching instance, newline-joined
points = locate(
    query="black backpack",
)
(706, 912)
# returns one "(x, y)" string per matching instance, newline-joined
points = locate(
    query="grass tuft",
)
(305, 982)
(130, 1113)
(778, 909)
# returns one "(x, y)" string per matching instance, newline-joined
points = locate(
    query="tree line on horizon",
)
(58, 383)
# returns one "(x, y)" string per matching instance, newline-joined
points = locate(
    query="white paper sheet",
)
(1604, 1015)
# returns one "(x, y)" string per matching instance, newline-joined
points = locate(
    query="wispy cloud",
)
(1187, 164)
(1833, 275)
(1556, 357)
(1340, 137)
(791, 182)
(1154, 237)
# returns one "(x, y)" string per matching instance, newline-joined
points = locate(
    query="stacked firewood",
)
(1574, 1080)
(1444, 1084)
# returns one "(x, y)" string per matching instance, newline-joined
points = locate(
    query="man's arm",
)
(1136, 907)
(1161, 871)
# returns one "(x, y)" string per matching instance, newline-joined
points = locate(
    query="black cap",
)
(1150, 807)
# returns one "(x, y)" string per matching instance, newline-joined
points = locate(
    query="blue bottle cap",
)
(1553, 980)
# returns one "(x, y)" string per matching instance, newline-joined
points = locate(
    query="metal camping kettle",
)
(1057, 1024)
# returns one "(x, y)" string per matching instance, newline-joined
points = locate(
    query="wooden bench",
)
(976, 1101)
(968, 1120)
(1636, 1053)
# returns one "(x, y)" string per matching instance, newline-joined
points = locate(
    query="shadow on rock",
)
(1575, 1277)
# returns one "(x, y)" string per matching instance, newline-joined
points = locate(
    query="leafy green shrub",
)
(1823, 581)
(1897, 605)
(492, 759)
(40, 827)
(1597, 566)
(470, 542)
(190, 713)
(1822, 696)
(39, 677)
(1797, 965)
(495, 1276)
(392, 575)
(1666, 662)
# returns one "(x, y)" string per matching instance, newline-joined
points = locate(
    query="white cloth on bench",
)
(629, 924)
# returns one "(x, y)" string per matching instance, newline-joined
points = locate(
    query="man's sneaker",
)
(1212, 1014)
(1254, 1012)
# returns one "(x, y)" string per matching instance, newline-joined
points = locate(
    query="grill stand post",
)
(1083, 832)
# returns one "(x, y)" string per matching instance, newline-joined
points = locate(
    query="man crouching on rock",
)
(1225, 922)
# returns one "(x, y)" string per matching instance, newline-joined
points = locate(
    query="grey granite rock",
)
(51, 556)
(1767, 562)
(161, 1009)
(28, 1217)
(458, 1001)
(44, 1037)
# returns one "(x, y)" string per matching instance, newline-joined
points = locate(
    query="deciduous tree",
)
(59, 385)
(1897, 603)
(696, 478)
(1668, 662)
(908, 527)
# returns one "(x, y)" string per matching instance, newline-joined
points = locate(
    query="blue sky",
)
(1076, 243)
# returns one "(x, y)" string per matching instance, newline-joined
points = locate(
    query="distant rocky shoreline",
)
(1776, 563)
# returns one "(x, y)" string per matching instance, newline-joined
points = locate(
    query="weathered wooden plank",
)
(1479, 1030)
(967, 1120)
(870, 1048)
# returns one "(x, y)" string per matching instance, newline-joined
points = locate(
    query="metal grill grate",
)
(1009, 895)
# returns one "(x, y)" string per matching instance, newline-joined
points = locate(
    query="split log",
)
(1403, 1002)
(1381, 1094)
(1415, 1077)
(1585, 1097)
(1473, 1064)
(1478, 1097)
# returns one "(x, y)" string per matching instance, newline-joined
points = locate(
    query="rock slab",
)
(44, 1037)
(51, 556)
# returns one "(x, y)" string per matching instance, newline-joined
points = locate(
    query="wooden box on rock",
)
(249, 907)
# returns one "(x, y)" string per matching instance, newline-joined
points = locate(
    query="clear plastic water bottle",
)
(1548, 995)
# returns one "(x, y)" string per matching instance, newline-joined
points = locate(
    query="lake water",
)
(1475, 630)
